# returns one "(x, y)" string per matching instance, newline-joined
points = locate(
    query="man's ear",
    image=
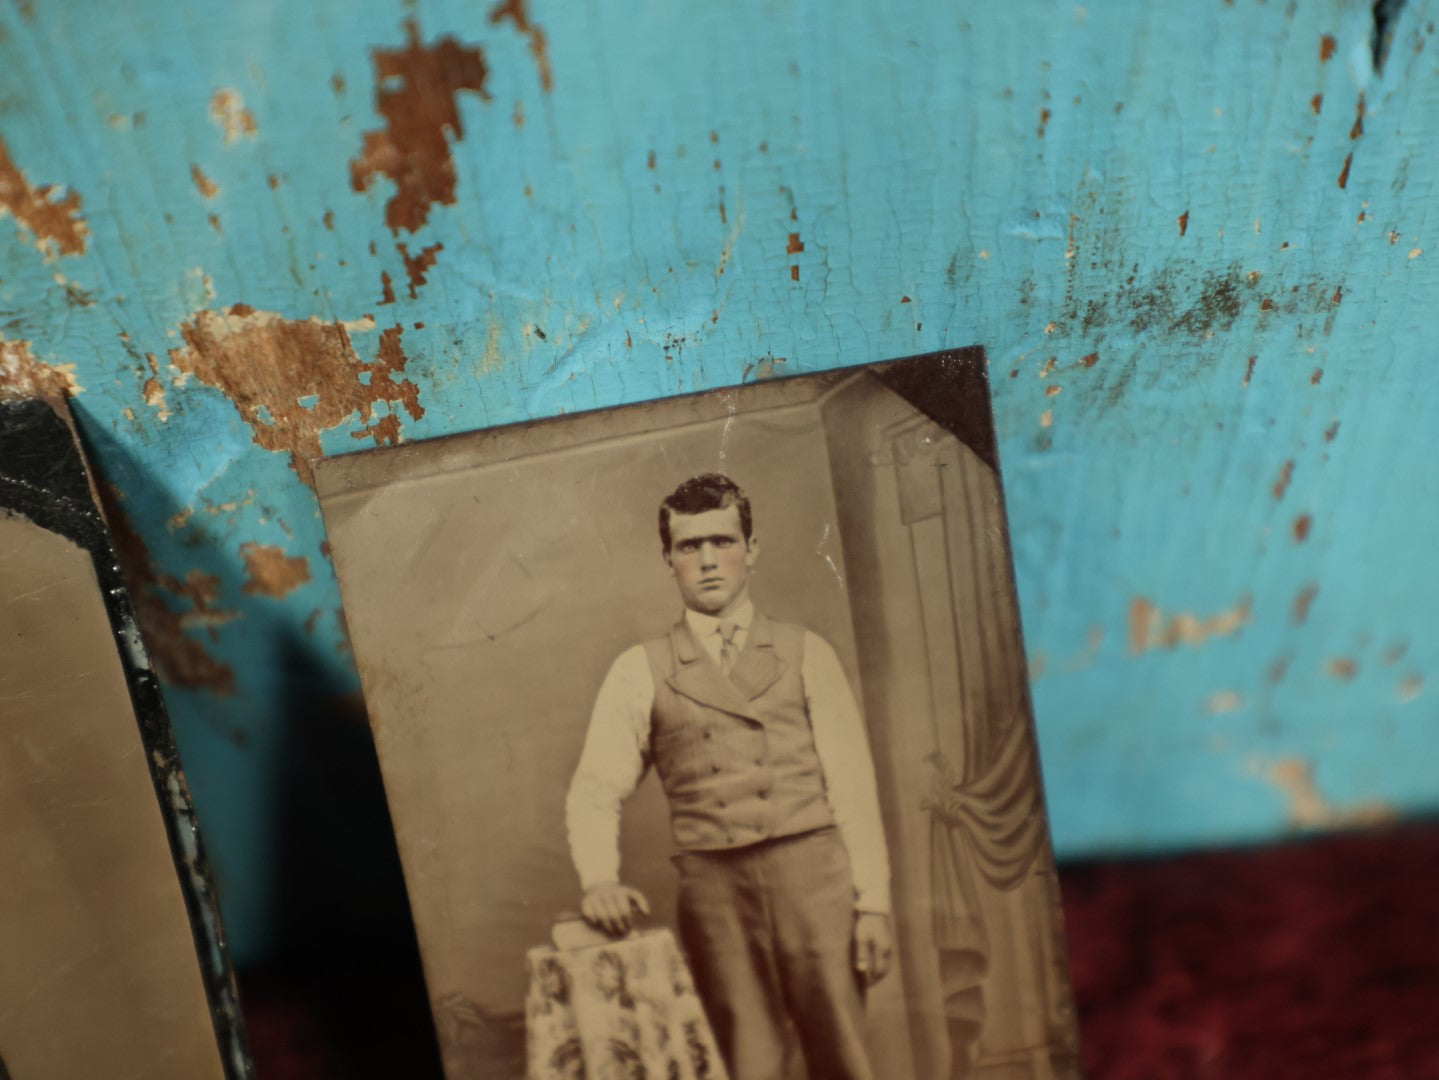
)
(665, 554)
(751, 551)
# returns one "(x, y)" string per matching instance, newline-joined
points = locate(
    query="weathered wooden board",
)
(1194, 239)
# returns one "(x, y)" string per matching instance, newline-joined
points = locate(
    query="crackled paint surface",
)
(1196, 240)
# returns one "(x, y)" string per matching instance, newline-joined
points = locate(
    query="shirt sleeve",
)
(614, 760)
(842, 744)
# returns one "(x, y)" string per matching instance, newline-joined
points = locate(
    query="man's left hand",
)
(873, 946)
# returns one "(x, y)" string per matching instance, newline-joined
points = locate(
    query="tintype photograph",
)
(705, 730)
(112, 955)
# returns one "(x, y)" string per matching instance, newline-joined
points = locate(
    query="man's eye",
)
(724, 542)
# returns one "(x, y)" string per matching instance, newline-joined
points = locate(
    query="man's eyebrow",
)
(712, 538)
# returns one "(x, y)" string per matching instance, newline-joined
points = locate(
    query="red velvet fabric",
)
(1316, 960)
(1313, 960)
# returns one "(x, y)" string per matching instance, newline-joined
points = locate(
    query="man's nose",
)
(708, 554)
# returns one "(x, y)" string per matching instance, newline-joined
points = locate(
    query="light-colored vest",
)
(736, 755)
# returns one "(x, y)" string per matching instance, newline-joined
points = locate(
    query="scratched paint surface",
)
(1196, 239)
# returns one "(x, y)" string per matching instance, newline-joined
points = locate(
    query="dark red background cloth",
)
(1316, 959)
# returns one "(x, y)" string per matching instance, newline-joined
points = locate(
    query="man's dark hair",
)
(710, 491)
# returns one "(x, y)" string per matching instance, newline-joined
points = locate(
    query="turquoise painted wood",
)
(1197, 240)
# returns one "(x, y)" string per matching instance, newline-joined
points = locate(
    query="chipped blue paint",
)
(1018, 171)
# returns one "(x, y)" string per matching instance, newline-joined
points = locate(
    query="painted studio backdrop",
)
(1196, 240)
(532, 560)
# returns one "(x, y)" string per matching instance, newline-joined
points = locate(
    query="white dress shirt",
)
(616, 757)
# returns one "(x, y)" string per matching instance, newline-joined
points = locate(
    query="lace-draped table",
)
(621, 1010)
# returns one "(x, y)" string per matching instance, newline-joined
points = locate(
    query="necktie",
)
(729, 651)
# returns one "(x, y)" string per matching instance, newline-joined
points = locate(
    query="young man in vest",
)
(754, 731)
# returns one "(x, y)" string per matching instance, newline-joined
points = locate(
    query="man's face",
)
(710, 559)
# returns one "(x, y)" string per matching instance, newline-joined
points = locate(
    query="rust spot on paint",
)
(270, 572)
(22, 376)
(1327, 45)
(1394, 653)
(1278, 669)
(266, 364)
(203, 184)
(1316, 103)
(1249, 369)
(1303, 601)
(766, 367)
(1286, 473)
(387, 288)
(905, 300)
(1223, 701)
(1089, 360)
(794, 273)
(1309, 809)
(1149, 628)
(182, 660)
(227, 109)
(1344, 172)
(1052, 391)
(1302, 525)
(337, 83)
(52, 218)
(418, 266)
(1410, 687)
(1266, 304)
(1183, 223)
(1341, 667)
(1331, 431)
(795, 246)
(214, 220)
(154, 390)
(1044, 115)
(519, 114)
(1338, 294)
(1358, 128)
(416, 91)
(518, 12)
(1317, 377)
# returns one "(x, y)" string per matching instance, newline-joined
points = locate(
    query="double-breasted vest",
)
(735, 754)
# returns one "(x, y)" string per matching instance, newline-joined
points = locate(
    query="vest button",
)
(715, 766)
(709, 734)
(721, 804)
(764, 793)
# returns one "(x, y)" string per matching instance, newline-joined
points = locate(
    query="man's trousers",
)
(769, 932)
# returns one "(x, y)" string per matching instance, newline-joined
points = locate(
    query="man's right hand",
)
(610, 906)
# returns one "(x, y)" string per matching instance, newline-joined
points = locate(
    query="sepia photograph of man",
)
(750, 794)
(755, 734)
